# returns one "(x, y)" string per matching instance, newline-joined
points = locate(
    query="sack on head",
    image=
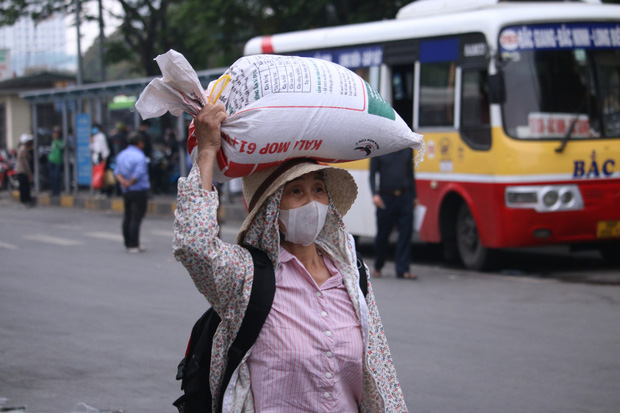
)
(284, 107)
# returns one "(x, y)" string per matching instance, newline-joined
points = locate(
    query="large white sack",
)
(283, 107)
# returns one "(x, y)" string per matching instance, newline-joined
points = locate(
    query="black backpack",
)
(193, 370)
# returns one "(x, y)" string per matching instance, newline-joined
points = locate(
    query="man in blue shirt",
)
(132, 173)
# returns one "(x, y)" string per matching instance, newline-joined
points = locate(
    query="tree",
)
(13, 10)
(208, 33)
(145, 34)
(213, 33)
(143, 27)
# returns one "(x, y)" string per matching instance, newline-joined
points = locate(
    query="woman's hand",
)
(208, 123)
(209, 139)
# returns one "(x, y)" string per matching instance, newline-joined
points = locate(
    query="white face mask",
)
(304, 224)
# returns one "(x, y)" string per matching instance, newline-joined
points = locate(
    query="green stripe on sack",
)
(377, 105)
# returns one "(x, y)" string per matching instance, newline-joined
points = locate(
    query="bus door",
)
(398, 77)
(451, 109)
(475, 119)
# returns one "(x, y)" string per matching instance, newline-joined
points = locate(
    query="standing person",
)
(24, 170)
(56, 160)
(148, 141)
(100, 152)
(395, 199)
(322, 346)
(148, 147)
(133, 175)
(117, 142)
(99, 145)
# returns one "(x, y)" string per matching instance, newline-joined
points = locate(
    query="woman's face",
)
(300, 191)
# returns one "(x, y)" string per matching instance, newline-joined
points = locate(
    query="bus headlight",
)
(566, 197)
(550, 198)
(544, 198)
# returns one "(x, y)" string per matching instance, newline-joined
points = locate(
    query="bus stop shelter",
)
(89, 99)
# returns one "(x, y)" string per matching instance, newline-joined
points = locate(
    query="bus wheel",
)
(473, 254)
(610, 252)
(451, 253)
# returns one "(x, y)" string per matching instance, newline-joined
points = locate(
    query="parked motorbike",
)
(8, 174)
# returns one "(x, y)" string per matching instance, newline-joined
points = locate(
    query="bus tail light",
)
(544, 198)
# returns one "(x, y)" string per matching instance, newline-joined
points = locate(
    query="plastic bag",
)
(177, 92)
(283, 107)
(108, 178)
(98, 172)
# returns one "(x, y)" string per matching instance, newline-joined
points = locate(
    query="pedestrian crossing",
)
(53, 240)
(82, 239)
(7, 246)
(105, 235)
(230, 233)
(68, 234)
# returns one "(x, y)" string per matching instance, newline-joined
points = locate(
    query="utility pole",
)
(101, 40)
(80, 66)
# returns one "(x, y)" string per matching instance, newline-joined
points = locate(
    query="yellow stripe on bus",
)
(362, 164)
(447, 153)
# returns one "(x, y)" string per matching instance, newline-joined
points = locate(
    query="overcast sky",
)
(90, 30)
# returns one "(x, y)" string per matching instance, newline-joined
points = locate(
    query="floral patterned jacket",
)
(223, 273)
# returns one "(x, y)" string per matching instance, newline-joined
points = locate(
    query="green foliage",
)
(12, 10)
(209, 33)
(214, 33)
(118, 58)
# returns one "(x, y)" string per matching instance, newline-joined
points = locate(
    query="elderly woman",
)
(322, 347)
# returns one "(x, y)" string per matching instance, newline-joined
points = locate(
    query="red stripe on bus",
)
(266, 44)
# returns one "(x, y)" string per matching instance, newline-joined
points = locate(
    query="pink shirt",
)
(308, 356)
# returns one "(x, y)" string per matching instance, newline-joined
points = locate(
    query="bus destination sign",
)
(560, 36)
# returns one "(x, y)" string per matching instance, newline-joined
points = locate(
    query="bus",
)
(519, 105)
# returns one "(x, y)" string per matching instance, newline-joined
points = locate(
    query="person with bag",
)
(132, 173)
(99, 153)
(24, 170)
(322, 345)
(56, 160)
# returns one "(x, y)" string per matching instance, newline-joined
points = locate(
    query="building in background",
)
(16, 112)
(6, 71)
(37, 47)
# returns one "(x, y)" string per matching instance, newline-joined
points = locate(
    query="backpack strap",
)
(261, 299)
(361, 268)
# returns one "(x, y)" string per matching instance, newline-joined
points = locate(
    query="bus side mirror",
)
(497, 90)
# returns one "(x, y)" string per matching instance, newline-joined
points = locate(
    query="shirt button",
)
(328, 375)
(328, 333)
(318, 294)
(325, 394)
(324, 313)
(328, 354)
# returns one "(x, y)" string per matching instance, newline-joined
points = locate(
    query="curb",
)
(158, 206)
(154, 207)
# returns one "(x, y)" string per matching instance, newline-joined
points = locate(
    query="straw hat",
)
(261, 185)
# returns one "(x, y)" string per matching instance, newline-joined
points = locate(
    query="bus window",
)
(547, 90)
(608, 74)
(437, 94)
(475, 124)
(402, 92)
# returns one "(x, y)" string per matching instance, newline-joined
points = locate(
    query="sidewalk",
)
(160, 205)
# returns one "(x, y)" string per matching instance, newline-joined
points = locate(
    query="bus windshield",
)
(562, 80)
(549, 93)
